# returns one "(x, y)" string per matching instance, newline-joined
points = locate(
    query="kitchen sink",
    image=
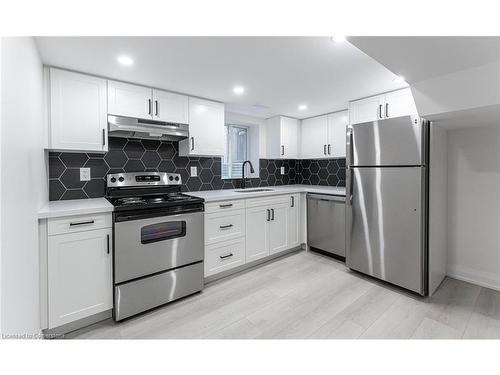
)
(252, 190)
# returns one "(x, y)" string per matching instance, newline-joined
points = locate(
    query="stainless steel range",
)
(158, 241)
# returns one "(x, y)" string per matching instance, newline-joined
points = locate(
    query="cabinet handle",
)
(157, 108)
(192, 143)
(103, 137)
(386, 109)
(380, 111)
(149, 107)
(329, 149)
(282, 150)
(226, 256)
(293, 201)
(268, 215)
(272, 214)
(225, 205)
(81, 223)
(225, 226)
(108, 242)
(324, 149)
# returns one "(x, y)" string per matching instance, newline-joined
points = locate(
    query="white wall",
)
(257, 136)
(474, 205)
(23, 183)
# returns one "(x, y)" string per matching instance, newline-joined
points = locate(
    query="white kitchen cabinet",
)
(278, 228)
(337, 124)
(294, 230)
(206, 129)
(257, 233)
(389, 105)
(77, 112)
(314, 135)
(283, 138)
(79, 275)
(399, 103)
(324, 136)
(125, 99)
(170, 107)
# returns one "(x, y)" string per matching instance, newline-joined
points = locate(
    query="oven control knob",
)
(113, 179)
(121, 179)
(171, 178)
(176, 178)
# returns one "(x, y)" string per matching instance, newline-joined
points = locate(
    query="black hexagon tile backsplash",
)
(132, 155)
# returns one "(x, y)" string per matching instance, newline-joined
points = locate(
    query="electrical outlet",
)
(282, 170)
(194, 171)
(84, 174)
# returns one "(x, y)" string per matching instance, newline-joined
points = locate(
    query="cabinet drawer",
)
(212, 207)
(224, 256)
(223, 226)
(268, 201)
(79, 223)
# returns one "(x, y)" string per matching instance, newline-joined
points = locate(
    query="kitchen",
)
(213, 208)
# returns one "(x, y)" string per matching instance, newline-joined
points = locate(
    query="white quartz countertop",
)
(220, 195)
(72, 207)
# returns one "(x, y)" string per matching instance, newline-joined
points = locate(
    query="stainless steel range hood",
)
(127, 127)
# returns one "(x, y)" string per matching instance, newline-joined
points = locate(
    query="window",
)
(236, 141)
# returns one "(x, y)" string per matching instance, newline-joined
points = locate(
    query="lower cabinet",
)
(79, 271)
(294, 223)
(278, 228)
(224, 256)
(257, 233)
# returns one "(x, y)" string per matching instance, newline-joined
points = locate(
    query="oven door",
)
(146, 245)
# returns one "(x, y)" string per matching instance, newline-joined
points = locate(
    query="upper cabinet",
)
(389, 105)
(206, 129)
(324, 136)
(142, 102)
(283, 138)
(77, 112)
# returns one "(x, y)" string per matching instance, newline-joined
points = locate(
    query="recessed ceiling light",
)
(125, 60)
(399, 79)
(302, 107)
(338, 38)
(238, 90)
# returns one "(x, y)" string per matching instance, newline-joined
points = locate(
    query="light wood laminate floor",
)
(310, 296)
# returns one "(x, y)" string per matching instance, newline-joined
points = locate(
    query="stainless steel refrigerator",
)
(387, 195)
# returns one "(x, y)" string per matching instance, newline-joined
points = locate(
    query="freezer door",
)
(384, 225)
(396, 141)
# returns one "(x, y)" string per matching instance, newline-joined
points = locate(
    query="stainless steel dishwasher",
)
(326, 223)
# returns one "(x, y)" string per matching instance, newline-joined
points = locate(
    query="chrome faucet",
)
(243, 172)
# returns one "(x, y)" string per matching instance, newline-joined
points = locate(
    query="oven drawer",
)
(224, 256)
(224, 226)
(221, 206)
(144, 294)
(78, 223)
(155, 244)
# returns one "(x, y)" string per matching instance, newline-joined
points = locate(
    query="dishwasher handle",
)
(326, 197)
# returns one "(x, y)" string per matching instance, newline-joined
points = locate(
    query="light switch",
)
(84, 174)
(194, 171)
(282, 170)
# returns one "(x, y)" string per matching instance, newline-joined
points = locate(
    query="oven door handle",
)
(149, 214)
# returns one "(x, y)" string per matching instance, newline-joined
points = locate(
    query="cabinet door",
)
(294, 238)
(278, 228)
(170, 107)
(79, 275)
(399, 103)
(273, 138)
(290, 129)
(337, 124)
(129, 100)
(314, 138)
(206, 129)
(365, 110)
(78, 118)
(257, 233)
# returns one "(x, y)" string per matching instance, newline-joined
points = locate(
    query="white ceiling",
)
(279, 73)
(425, 57)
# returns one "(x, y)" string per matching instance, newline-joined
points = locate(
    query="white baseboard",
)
(474, 276)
